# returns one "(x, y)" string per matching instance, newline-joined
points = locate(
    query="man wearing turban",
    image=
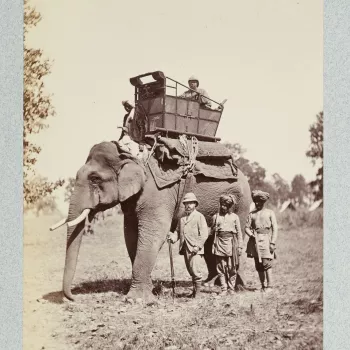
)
(125, 142)
(228, 242)
(261, 227)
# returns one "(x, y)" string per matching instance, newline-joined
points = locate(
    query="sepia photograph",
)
(173, 175)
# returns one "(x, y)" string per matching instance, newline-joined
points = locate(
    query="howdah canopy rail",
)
(159, 109)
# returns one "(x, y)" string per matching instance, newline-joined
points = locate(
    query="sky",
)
(264, 56)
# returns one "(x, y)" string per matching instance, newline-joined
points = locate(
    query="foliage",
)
(44, 203)
(36, 109)
(253, 171)
(236, 148)
(69, 188)
(299, 188)
(37, 188)
(279, 189)
(315, 153)
(282, 187)
(256, 174)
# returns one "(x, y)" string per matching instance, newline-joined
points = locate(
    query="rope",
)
(191, 149)
(183, 142)
(193, 152)
(152, 150)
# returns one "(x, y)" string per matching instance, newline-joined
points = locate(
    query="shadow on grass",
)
(167, 284)
(121, 286)
(54, 297)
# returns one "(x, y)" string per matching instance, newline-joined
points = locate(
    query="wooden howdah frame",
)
(170, 115)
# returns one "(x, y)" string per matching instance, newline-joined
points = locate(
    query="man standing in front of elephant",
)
(192, 230)
(228, 242)
(261, 227)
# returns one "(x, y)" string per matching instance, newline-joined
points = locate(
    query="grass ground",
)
(289, 317)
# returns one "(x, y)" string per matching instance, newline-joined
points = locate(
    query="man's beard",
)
(189, 211)
(223, 212)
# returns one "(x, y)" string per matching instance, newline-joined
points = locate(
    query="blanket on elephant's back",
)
(167, 173)
(206, 150)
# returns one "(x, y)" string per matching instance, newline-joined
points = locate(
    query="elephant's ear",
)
(131, 179)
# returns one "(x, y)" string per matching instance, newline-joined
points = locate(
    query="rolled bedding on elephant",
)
(206, 150)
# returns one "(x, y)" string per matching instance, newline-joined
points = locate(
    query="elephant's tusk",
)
(79, 219)
(59, 224)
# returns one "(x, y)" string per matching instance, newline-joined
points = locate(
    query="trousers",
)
(193, 264)
(226, 269)
(265, 264)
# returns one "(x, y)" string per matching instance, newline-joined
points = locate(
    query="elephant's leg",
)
(152, 234)
(130, 235)
(241, 279)
(210, 260)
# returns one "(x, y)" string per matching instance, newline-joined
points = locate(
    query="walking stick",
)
(172, 269)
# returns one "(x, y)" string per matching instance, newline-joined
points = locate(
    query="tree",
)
(315, 152)
(282, 187)
(252, 170)
(236, 148)
(36, 109)
(256, 174)
(299, 188)
(44, 204)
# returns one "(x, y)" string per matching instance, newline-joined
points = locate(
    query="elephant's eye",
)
(95, 179)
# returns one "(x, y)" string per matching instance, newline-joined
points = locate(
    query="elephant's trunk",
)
(74, 237)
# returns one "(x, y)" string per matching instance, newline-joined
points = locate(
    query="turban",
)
(260, 195)
(228, 199)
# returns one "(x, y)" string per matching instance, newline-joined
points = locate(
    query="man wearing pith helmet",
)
(194, 93)
(192, 231)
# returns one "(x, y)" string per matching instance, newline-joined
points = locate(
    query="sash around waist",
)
(262, 231)
(225, 234)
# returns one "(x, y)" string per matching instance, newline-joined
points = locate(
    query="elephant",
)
(110, 177)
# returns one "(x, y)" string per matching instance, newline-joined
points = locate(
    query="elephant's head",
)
(107, 178)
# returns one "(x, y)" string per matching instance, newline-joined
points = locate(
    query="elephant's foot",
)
(141, 293)
(210, 281)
